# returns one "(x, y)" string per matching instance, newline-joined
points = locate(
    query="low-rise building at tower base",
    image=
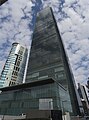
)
(37, 95)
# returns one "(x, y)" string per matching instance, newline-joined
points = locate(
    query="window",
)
(46, 104)
(60, 75)
(43, 77)
(59, 69)
(34, 75)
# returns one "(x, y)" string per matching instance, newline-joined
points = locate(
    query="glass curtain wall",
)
(48, 58)
(20, 101)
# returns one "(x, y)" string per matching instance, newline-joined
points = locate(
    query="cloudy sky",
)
(17, 18)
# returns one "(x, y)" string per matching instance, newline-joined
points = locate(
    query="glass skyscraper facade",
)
(84, 98)
(13, 70)
(49, 80)
(48, 58)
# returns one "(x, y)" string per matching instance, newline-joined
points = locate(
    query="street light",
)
(2, 2)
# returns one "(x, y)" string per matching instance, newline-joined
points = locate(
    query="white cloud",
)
(14, 25)
(78, 37)
(72, 19)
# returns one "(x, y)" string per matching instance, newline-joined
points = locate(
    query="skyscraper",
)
(48, 58)
(84, 98)
(87, 85)
(49, 80)
(13, 70)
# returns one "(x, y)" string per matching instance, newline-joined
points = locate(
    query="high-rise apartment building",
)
(13, 70)
(48, 58)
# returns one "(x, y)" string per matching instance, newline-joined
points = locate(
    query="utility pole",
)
(2, 2)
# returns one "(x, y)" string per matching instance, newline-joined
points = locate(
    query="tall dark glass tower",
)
(48, 58)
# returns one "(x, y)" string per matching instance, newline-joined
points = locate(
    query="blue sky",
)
(17, 18)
